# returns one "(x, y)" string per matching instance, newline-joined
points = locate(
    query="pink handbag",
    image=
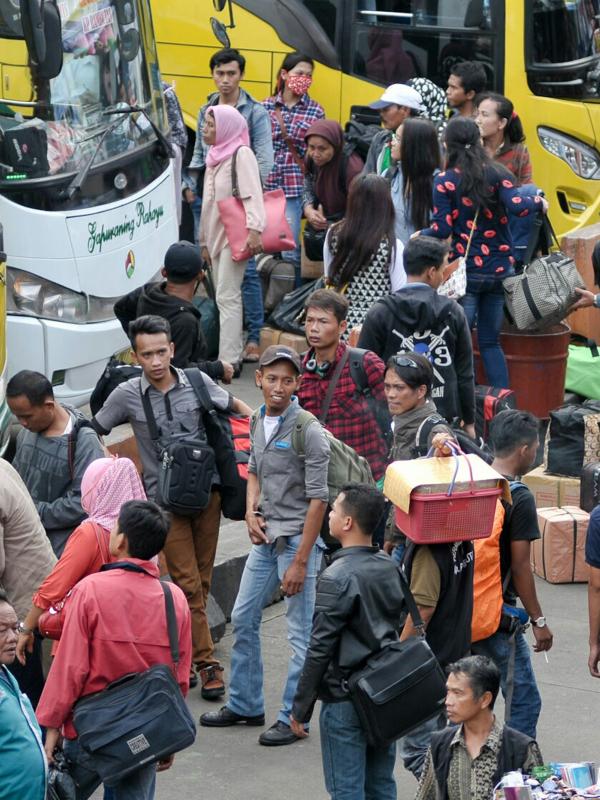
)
(277, 235)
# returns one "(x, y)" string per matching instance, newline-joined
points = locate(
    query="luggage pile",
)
(566, 490)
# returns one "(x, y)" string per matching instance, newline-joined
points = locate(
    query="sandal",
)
(251, 353)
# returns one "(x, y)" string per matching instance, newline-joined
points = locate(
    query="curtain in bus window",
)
(565, 30)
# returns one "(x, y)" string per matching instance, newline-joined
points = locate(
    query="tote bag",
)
(277, 235)
(455, 274)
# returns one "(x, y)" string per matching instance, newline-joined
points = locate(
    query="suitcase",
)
(590, 487)
(489, 401)
(559, 556)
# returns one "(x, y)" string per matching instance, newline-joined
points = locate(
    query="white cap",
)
(401, 95)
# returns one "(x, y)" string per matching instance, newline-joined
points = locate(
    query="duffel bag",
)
(573, 438)
(583, 370)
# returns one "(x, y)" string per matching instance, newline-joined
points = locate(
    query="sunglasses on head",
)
(405, 361)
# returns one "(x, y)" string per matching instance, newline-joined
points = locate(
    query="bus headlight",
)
(32, 296)
(583, 159)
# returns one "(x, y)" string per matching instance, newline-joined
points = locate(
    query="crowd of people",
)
(84, 537)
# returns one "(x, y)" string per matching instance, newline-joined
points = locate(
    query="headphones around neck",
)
(319, 369)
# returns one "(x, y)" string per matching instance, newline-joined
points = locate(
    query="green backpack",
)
(345, 465)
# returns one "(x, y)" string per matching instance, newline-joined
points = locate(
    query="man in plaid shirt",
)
(350, 416)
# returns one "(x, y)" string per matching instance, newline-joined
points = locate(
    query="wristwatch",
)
(597, 300)
(25, 631)
(540, 622)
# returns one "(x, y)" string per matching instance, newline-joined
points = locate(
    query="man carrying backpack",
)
(172, 299)
(418, 319)
(286, 502)
(514, 439)
(343, 386)
(54, 448)
(167, 397)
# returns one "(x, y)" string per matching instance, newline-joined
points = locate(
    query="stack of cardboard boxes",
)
(559, 556)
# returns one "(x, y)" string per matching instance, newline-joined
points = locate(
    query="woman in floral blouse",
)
(472, 202)
(292, 112)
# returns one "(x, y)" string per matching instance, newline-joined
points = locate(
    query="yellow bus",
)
(543, 54)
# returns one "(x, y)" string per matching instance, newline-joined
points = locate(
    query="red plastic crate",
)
(439, 518)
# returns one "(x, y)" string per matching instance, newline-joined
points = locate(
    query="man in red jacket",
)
(115, 624)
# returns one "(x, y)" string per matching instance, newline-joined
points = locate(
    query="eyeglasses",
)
(405, 361)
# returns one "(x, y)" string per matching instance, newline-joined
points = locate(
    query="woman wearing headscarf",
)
(106, 484)
(226, 132)
(329, 173)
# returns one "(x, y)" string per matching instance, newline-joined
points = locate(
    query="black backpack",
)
(78, 424)
(360, 380)
(358, 137)
(114, 374)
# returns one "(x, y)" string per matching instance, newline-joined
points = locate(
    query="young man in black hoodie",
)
(418, 319)
(172, 299)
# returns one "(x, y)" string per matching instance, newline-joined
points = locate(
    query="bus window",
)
(563, 48)
(326, 14)
(440, 13)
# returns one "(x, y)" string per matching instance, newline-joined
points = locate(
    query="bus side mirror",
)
(219, 5)
(220, 32)
(43, 35)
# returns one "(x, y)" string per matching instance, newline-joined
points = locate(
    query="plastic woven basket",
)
(442, 518)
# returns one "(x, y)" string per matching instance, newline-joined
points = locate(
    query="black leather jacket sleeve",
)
(333, 608)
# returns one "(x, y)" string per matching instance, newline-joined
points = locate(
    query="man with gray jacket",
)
(286, 501)
(54, 449)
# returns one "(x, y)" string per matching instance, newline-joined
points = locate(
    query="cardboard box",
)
(297, 343)
(310, 269)
(268, 336)
(579, 245)
(559, 556)
(552, 490)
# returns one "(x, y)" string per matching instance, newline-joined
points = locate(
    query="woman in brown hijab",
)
(329, 173)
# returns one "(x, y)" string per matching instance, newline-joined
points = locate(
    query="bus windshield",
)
(564, 48)
(105, 68)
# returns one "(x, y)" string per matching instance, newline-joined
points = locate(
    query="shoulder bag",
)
(186, 465)
(289, 141)
(400, 687)
(543, 293)
(138, 719)
(455, 274)
(52, 621)
(276, 236)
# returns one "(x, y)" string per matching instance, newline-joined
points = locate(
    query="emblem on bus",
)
(130, 264)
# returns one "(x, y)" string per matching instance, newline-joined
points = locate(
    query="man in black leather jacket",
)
(357, 611)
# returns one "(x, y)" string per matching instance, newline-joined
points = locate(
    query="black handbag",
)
(314, 241)
(186, 466)
(138, 719)
(400, 687)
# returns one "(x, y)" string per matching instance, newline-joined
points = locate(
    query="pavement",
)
(229, 764)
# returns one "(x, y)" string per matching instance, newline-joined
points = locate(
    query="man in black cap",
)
(286, 502)
(172, 299)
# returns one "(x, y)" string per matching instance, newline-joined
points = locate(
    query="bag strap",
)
(235, 188)
(471, 235)
(333, 382)
(102, 544)
(358, 372)
(529, 297)
(169, 604)
(150, 418)
(411, 604)
(424, 431)
(290, 142)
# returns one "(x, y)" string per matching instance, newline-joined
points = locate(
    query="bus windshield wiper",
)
(79, 179)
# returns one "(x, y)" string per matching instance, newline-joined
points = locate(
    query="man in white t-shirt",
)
(286, 502)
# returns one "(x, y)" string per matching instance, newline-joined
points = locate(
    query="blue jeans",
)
(262, 575)
(352, 769)
(484, 305)
(413, 747)
(196, 208)
(140, 785)
(526, 705)
(293, 214)
(398, 554)
(253, 302)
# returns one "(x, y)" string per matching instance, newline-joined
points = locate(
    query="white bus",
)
(86, 183)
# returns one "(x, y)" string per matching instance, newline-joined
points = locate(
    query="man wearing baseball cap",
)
(172, 299)
(398, 102)
(286, 502)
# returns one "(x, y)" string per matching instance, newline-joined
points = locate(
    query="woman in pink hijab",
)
(106, 484)
(226, 132)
